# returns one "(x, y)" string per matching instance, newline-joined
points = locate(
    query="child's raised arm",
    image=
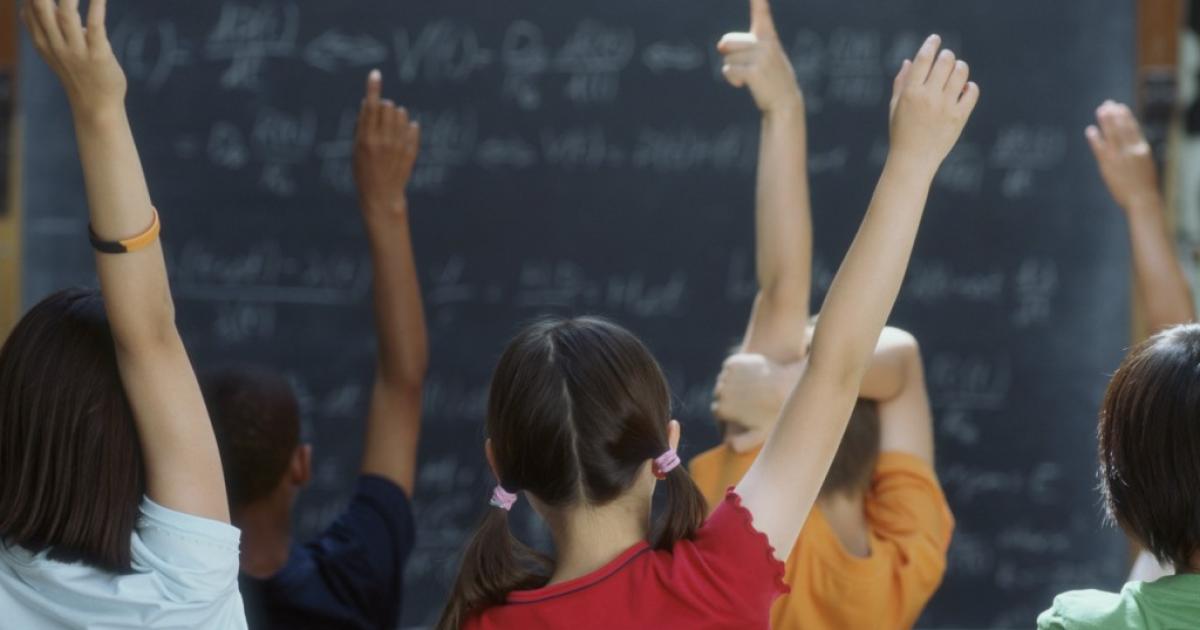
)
(1127, 165)
(783, 221)
(183, 468)
(385, 149)
(752, 389)
(897, 382)
(932, 101)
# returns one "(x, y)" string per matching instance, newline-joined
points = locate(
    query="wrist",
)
(383, 226)
(94, 117)
(791, 107)
(1145, 203)
(914, 166)
(385, 211)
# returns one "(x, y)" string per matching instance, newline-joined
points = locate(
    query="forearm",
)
(394, 418)
(868, 282)
(399, 313)
(783, 238)
(136, 292)
(1162, 287)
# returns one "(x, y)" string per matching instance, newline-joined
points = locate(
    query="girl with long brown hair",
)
(112, 502)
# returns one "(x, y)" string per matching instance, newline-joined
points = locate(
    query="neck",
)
(846, 513)
(266, 538)
(586, 538)
(1195, 568)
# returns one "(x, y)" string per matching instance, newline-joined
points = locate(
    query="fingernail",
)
(376, 75)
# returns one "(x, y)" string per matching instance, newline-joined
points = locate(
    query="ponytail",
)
(685, 510)
(494, 564)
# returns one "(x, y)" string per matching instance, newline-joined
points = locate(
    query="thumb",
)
(1096, 141)
(761, 22)
(899, 84)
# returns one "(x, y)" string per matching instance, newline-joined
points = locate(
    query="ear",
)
(673, 431)
(300, 471)
(491, 459)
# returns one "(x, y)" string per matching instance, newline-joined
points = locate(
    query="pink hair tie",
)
(665, 463)
(502, 498)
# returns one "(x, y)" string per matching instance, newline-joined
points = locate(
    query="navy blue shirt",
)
(349, 577)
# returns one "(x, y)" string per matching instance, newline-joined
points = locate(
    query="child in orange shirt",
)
(873, 550)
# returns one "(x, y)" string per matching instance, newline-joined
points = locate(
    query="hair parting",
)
(577, 409)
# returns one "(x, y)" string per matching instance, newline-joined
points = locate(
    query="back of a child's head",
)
(256, 419)
(853, 466)
(1150, 445)
(71, 471)
(577, 409)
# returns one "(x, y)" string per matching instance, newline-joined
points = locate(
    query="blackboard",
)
(588, 159)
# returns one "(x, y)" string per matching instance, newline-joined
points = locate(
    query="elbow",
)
(783, 293)
(154, 333)
(784, 302)
(407, 374)
(901, 342)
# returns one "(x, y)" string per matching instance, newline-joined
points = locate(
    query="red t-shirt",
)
(726, 577)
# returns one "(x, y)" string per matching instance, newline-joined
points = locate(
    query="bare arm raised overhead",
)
(385, 149)
(1127, 165)
(183, 467)
(931, 103)
(783, 223)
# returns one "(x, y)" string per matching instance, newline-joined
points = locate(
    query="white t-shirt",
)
(185, 576)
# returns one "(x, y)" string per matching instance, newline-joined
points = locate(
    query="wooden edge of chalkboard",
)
(10, 167)
(1160, 24)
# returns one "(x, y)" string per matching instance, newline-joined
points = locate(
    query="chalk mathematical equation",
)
(515, 66)
(250, 108)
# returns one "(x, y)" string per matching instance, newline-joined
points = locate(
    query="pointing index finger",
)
(761, 22)
(374, 86)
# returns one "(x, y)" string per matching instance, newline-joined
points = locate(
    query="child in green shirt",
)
(1149, 427)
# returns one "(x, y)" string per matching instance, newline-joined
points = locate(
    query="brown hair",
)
(857, 454)
(1150, 445)
(256, 419)
(71, 473)
(577, 408)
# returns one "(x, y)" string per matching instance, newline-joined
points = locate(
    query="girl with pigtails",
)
(579, 423)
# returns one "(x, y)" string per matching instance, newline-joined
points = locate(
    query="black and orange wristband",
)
(128, 245)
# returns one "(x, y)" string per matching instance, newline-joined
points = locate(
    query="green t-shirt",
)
(1169, 603)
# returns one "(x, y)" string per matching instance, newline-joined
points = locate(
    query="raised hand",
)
(1124, 157)
(82, 58)
(756, 59)
(750, 391)
(931, 102)
(386, 144)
